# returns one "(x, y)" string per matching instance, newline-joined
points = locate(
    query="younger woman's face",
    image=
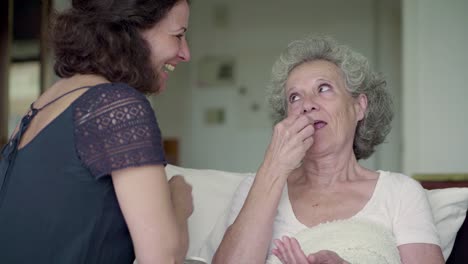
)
(167, 42)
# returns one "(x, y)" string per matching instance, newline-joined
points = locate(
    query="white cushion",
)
(449, 210)
(213, 191)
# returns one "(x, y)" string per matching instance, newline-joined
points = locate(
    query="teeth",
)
(169, 67)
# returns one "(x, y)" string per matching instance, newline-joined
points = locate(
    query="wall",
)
(432, 117)
(255, 32)
(388, 61)
(435, 82)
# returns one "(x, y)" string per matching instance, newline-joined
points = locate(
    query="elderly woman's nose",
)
(309, 106)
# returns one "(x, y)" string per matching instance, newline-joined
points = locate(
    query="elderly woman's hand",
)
(326, 257)
(291, 139)
(289, 251)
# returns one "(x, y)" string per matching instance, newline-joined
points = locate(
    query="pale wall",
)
(435, 81)
(256, 33)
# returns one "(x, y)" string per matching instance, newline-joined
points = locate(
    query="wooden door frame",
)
(44, 45)
(6, 34)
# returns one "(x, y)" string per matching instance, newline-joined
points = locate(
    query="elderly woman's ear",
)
(361, 106)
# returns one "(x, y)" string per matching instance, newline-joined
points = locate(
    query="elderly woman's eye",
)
(324, 88)
(293, 97)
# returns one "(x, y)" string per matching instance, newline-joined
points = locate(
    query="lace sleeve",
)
(116, 128)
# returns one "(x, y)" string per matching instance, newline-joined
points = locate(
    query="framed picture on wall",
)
(216, 71)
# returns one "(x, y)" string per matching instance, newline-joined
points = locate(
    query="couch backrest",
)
(459, 253)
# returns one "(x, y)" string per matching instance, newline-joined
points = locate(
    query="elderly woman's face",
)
(318, 89)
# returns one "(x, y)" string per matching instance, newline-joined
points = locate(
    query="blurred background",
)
(214, 113)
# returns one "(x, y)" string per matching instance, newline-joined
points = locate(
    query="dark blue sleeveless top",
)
(57, 201)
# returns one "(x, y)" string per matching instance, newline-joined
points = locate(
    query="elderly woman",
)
(332, 111)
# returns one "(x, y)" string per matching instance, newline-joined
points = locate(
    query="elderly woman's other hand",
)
(291, 139)
(289, 251)
(326, 257)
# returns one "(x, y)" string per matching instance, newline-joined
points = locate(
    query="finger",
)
(290, 256)
(301, 122)
(308, 142)
(327, 256)
(280, 250)
(292, 125)
(296, 132)
(284, 251)
(312, 259)
(276, 252)
(297, 251)
(290, 119)
(304, 139)
(306, 133)
(287, 127)
(177, 178)
(173, 178)
(320, 257)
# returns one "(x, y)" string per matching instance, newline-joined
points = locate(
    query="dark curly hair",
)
(360, 79)
(103, 37)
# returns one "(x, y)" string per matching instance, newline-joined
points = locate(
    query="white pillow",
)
(449, 210)
(212, 192)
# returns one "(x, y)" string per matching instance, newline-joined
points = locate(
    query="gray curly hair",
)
(360, 79)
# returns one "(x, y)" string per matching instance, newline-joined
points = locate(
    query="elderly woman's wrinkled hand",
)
(291, 139)
(326, 257)
(289, 251)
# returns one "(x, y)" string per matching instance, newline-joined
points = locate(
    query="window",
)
(23, 89)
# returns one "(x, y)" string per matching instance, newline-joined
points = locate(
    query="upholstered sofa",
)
(213, 190)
